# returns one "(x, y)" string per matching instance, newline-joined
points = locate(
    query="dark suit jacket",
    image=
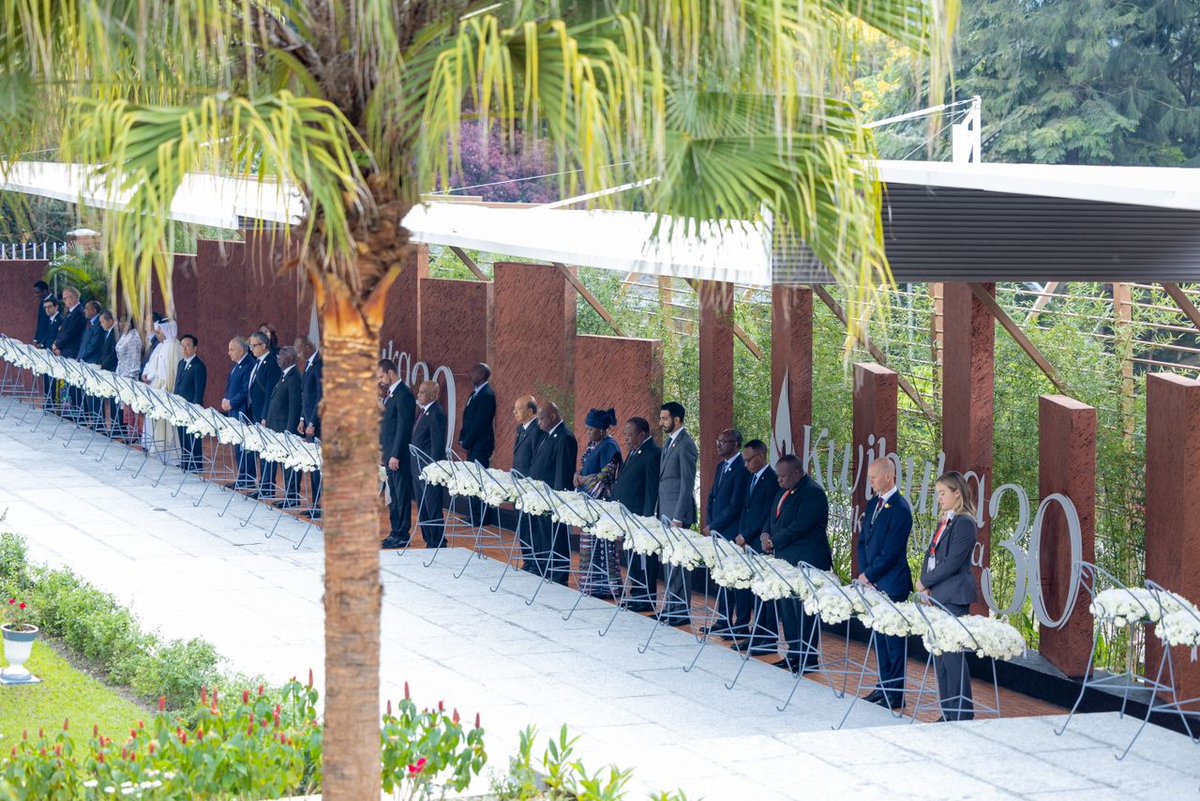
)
(396, 428)
(91, 342)
(526, 442)
(312, 392)
(42, 335)
(727, 497)
(429, 432)
(191, 380)
(637, 484)
(799, 530)
(261, 387)
(108, 349)
(237, 387)
(51, 331)
(951, 580)
(883, 546)
(70, 335)
(478, 437)
(554, 459)
(283, 412)
(757, 507)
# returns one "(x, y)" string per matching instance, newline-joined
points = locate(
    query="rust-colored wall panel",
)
(454, 334)
(618, 373)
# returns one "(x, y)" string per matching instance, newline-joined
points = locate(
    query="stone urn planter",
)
(18, 644)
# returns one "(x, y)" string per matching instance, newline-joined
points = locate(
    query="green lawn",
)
(64, 693)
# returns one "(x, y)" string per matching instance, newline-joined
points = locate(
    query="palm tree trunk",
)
(353, 593)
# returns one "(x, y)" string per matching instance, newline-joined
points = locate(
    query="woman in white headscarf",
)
(161, 437)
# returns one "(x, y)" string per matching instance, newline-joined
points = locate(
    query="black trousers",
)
(525, 538)
(800, 632)
(192, 456)
(48, 386)
(266, 476)
(643, 579)
(954, 680)
(400, 491)
(314, 480)
(551, 549)
(429, 512)
(291, 481)
(763, 633)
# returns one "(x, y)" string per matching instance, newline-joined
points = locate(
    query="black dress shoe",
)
(641, 607)
(393, 542)
(286, 504)
(875, 697)
(313, 514)
(887, 703)
(675, 620)
(785, 664)
(763, 650)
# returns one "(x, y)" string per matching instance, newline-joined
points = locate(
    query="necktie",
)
(254, 370)
(779, 508)
(417, 422)
(878, 506)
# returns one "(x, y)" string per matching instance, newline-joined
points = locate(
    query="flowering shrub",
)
(253, 744)
(18, 616)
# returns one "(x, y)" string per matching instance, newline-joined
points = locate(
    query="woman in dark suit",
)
(947, 578)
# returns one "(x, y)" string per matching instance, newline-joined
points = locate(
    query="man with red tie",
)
(797, 533)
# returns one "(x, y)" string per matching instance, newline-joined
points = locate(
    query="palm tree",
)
(735, 107)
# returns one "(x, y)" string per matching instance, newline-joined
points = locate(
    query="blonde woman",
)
(160, 437)
(947, 578)
(129, 365)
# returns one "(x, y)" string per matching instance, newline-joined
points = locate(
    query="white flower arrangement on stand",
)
(303, 456)
(607, 529)
(897, 619)
(438, 474)
(732, 572)
(986, 637)
(644, 535)
(572, 509)
(686, 549)
(1180, 628)
(834, 603)
(532, 497)
(1124, 606)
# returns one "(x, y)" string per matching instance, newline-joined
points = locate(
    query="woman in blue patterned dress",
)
(599, 560)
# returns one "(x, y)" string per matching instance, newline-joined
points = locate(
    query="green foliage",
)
(64, 690)
(26, 218)
(83, 271)
(425, 749)
(558, 775)
(93, 624)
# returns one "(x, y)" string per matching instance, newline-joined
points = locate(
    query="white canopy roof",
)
(620, 240)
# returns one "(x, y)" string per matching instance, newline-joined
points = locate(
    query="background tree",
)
(737, 108)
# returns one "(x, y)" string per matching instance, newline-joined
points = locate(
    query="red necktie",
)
(779, 508)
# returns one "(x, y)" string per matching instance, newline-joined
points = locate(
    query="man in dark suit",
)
(636, 488)
(236, 404)
(191, 379)
(395, 435)
(89, 353)
(70, 335)
(108, 363)
(264, 375)
(53, 324)
(724, 508)
(677, 502)
(41, 334)
(310, 414)
(478, 437)
(429, 437)
(283, 414)
(761, 636)
(528, 436)
(553, 463)
(797, 532)
(883, 563)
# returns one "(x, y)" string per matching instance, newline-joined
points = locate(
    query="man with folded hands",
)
(761, 636)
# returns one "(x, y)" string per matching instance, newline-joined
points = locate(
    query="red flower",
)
(22, 606)
(204, 695)
(66, 724)
(310, 678)
(414, 770)
(260, 690)
(454, 718)
(162, 703)
(200, 735)
(407, 697)
(389, 707)
(477, 720)
(151, 749)
(245, 696)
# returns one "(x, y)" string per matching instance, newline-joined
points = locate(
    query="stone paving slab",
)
(190, 571)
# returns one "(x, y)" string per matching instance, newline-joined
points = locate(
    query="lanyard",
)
(938, 536)
(779, 508)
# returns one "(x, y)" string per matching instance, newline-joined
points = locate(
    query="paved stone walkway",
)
(188, 572)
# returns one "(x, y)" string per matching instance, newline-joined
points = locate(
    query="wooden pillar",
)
(874, 423)
(402, 319)
(1173, 504)
(532, 344)
(791, 366)
(716, 374)
(1066, 465)
(968, 384)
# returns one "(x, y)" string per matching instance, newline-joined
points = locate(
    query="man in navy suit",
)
(478, 436)
(108, 363)
(264, 375)
(191, 379)
(89, 353)
(636, 488)
(724, 508)
(236, 404)
(310, 416)
(395, 435)
(283, 415)
(53, 324)
(761, 637)
(883, 563)
(429, 437)
(41, 334)
(68, 340)
(797, 531)
(554, 463)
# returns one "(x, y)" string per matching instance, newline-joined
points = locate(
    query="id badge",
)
(932, 562)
